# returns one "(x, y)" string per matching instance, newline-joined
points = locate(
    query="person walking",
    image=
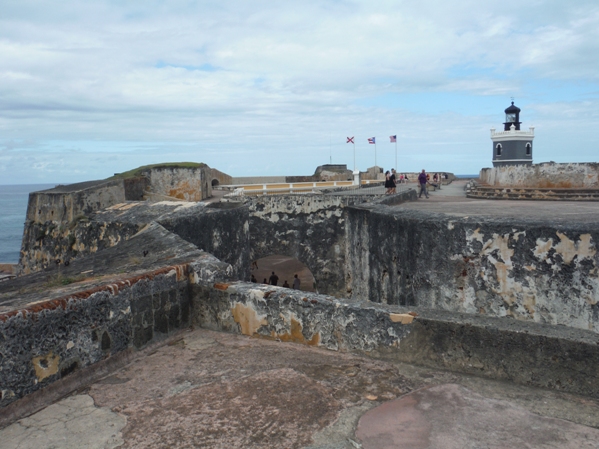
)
(273, 279)
(388, 182)
(422, 181)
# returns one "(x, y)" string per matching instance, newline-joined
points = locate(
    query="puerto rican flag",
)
(372, 140)
(393, 138)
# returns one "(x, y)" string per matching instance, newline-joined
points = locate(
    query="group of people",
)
(274, 280)
(391, 181)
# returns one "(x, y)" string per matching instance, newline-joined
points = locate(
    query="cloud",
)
(267, 81)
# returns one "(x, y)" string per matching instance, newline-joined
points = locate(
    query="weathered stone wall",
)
(312, 229)
(44, 243)
(50, 339)
(496, 348)
(545, 175)
(488, 266)
(65, 203)
(222, 229)
(188, 184)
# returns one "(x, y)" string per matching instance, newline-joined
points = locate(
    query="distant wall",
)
(66, 203)
(545, 175)
(240, 180)
(188, 184)
(220, 178)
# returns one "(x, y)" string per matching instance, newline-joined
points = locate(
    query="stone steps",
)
(478, 191)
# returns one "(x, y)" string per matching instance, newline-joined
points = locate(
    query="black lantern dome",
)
(512, 117)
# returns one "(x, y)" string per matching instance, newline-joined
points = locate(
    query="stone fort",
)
(110, 267)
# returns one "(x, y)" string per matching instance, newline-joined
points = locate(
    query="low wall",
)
(545, 175)
(489, 347)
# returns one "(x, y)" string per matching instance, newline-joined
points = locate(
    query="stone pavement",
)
(217, 390)
(451, 200)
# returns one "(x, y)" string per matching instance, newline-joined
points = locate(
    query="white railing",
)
(513, 132)
(293, 188)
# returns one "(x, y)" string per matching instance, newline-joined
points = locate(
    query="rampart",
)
(545, 175)
(460, 293)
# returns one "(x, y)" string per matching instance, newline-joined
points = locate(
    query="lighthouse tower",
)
(512, 146)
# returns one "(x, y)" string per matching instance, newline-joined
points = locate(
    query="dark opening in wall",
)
(69, 367)
(215, 183)
(285, 268)
(106, 342)
(498, 150)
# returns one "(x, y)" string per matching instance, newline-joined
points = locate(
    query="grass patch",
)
(139, 170)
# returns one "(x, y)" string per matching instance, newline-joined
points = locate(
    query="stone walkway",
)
(215, 390)
(451, 200)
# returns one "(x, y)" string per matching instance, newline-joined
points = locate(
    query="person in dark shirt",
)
(253, 279)
(286, 284)
(422, 180)
(273, 279)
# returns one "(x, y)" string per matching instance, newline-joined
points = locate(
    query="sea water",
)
(13, 208)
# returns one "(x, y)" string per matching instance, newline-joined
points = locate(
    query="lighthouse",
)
(512, 146)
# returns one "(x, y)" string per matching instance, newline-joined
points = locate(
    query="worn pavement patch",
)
(73, 423)
(452, 417)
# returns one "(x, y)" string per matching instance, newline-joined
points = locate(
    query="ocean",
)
(13, 207)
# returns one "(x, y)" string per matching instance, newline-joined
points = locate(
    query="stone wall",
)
(312, 229)
(493, 267)
(221, 229)
(218, 178)
(545, 175)
(490, 347)
(187, 184)
(49, 340)
(45, 243)
(65, 203)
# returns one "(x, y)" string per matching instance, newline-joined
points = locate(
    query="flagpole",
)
(396, 153)
(354, 156)
(375, 152)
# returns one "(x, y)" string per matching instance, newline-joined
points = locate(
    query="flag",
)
(371, 140)
(350, 140)
(393, 138)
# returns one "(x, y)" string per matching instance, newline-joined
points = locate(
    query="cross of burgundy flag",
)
(350, 140)
(393, 138)
(371, 140)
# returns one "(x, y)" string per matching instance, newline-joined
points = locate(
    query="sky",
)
(89, 89)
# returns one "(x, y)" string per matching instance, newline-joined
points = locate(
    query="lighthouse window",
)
(498, 149)
(528, 148)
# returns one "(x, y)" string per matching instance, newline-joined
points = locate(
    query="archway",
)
(215, 183)
(285, 268)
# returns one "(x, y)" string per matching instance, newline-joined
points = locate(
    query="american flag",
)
(393, 138)
(371, 140)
